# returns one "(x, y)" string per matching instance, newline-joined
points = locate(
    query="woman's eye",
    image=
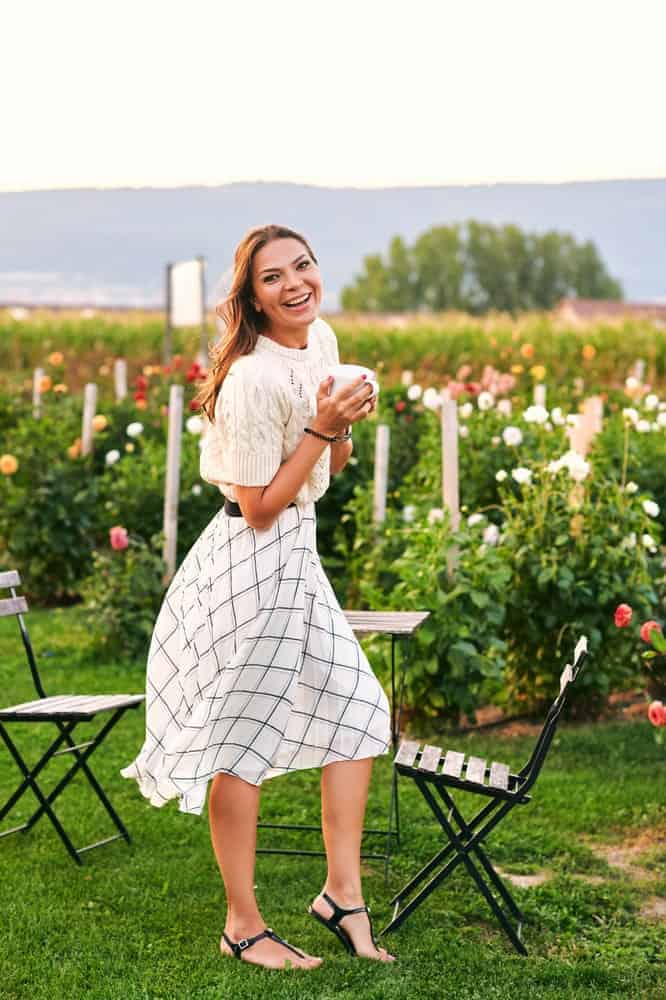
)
(269, 277)
(304, 263)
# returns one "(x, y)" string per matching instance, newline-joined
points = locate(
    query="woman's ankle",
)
(345, 895)
(245, 923)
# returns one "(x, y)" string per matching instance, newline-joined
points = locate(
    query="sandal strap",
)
(276, 937)
(339, 912)
(240, 946)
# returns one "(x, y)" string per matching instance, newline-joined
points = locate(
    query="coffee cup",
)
(343, 375)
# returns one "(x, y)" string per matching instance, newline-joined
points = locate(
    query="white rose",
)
(485, 401)
(630, 414)
(554, 467)
(112, 456)
(643, 427)
(631, 488)
(651, 508)
(432, 399)
(463, 431)
(521, 475)
(649, 543)
(414, 392)
(504, 407)
(631, 383)
(578, 468)
(535, 414)
(466, 410)
(513, 436)
(409, 512)
(630, 541)
(196, 489)
(557, 416)
(500, 475)
(572, 419)
(194, 424)
(134, 430)
(407, 377)
(475, 519)
(661, 419)
(435, 514)
(491, 534)
(651, 402)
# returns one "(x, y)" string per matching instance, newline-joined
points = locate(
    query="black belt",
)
(233, 510)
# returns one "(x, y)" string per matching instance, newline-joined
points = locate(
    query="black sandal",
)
(333, 922)
(240, 946)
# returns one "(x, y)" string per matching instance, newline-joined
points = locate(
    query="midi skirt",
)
(253, 669)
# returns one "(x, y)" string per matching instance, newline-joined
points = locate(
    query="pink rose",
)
(647, 627)
(118, 538)
(657, 713)
(623, 615)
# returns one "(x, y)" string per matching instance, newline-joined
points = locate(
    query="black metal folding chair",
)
(66, 712)
(504, 791)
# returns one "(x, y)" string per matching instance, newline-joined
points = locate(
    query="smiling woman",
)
(253, 670)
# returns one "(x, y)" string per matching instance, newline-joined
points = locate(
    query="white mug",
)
(345, 374)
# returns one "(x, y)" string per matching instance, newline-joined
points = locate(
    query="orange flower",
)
(45, 383)
(56, 358)
(589, 351)
(527, 351)
(141, 404)
(60, 387)
(74, 450)
(8, 465)
(99, 422)
(104, 369)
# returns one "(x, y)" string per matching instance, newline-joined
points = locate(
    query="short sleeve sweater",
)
(266, 399)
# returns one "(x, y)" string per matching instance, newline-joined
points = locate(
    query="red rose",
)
(118, 538)
(195, 404)
(647, 627)
(141, 382)
(140, 396)
(400, 405)
(623, 615)
(657, 713)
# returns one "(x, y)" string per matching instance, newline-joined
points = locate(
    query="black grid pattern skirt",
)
(253, 669)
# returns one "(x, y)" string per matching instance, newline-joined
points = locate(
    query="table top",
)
(387, 622)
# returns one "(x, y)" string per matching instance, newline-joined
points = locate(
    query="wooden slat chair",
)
(66, 712)
(503, 789)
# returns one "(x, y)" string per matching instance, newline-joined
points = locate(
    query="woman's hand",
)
(346, 406)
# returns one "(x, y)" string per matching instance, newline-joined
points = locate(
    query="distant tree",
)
(477, 267)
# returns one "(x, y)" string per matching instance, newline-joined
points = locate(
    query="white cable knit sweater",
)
(266, 400)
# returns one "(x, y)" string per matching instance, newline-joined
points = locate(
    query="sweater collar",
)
(265, 343)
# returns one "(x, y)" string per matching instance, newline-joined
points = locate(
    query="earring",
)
(257, 307)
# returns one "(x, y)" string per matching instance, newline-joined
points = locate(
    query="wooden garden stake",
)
(172, 479)
(450, 481)
(37, 392)
(89, 407)
(120, 378)
(382, 441)
(540, 395)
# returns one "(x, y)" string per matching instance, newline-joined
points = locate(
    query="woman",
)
(253, 670)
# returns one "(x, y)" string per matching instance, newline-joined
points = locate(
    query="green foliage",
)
(122, 596)
(478, 267)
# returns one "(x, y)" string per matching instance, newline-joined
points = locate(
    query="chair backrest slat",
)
(17, 605)
(12, 606)
(10, 578)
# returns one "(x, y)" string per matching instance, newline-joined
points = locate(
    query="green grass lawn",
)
(144, 921)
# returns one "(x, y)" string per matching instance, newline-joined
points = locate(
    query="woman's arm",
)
(340, 455)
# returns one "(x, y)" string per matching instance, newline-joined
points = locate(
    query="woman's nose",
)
(292, 279)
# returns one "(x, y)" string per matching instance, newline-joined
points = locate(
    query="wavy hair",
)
(243, 323)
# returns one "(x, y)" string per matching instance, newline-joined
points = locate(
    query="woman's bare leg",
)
(344, 793)
(233, 809)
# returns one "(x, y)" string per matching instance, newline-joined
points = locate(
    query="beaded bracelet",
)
(332, 440)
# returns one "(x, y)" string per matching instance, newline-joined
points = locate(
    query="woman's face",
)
(286, 284)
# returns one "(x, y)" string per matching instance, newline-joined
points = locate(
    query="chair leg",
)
(81, 763)
(43, 761)
(45, 805)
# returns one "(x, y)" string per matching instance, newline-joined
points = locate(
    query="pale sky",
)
(365, 93)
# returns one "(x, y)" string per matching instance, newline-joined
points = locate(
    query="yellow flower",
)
(517, 369)
(60, 387)
(129, 447)
(99, 422)
(8, 465)
(45, 383)
(589, 351)
(56, 358)
(539, 372)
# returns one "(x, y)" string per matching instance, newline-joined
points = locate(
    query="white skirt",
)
(253, 669)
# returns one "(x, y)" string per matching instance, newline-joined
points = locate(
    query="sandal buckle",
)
(243, 944)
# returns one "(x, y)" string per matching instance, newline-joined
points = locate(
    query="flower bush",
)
(123, 593)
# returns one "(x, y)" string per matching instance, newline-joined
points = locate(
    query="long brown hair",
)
(243, 322)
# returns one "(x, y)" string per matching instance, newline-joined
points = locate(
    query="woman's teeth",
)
(298, 302)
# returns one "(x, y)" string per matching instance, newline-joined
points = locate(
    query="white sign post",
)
(450, 477)
(382, 440)
(186, 303)
(172, 487)
(37, 377)
(120, 378)
(89, 407)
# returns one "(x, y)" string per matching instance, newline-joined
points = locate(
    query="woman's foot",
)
(271, 954)
(356, 925)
